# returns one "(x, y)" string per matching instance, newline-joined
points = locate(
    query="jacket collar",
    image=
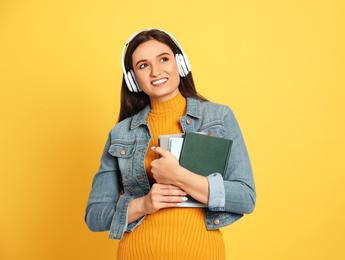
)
(193, 107)
(193, 110)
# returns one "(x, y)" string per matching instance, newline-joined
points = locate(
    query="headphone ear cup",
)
(131, 85)
(136, 87)
(128, 82)
(178, 62)
(183, 65)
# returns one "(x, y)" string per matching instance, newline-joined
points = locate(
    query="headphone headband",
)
(130, 78)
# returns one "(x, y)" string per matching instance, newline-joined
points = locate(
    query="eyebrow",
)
(159, 55)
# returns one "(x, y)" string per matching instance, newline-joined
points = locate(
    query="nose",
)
(155, 70)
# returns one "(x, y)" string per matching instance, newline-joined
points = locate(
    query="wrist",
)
(180, 177)
(141, 206)
(135, 210)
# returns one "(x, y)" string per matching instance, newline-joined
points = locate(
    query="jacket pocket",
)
(124, 152)
(215, 128)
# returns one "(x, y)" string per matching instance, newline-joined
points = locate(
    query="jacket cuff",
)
(120, 219)
(216, 199)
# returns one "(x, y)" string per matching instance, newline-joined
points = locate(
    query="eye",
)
(164, 59)
(143, 66)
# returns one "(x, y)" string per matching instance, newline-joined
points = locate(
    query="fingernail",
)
(153, 147)
(184, 198)
(178, 204)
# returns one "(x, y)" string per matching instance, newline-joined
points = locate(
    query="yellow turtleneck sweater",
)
(172, 233)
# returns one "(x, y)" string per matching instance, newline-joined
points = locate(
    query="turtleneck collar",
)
(174, 105)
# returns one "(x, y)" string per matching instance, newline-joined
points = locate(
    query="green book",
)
(204, 155)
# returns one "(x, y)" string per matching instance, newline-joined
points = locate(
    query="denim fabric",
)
(122, 177)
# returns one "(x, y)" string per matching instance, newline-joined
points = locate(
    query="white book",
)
(175, 146)
(163, 140)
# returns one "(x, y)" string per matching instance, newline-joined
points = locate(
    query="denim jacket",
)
(122, 177)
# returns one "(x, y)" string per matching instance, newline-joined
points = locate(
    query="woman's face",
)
(155, 67)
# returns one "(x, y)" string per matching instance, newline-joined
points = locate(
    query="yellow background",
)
(278, 64)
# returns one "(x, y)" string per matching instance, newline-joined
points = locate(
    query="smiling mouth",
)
(159, 82)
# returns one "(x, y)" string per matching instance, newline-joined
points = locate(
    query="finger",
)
(159, 150)
(173, 193)
(171, 188)
(172, 202)
(167, 186)
(173, 199)
(168, 192)
(167, 189)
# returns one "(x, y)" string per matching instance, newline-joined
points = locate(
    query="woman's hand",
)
(160, 196)
(163, 196)
(165, 168)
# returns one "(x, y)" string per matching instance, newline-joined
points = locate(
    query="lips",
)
(159, 82)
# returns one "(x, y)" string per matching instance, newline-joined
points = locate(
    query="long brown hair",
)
(133, 102)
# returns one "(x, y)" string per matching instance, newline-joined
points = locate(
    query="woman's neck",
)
(173, 105)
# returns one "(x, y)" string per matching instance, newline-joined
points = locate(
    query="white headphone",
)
(130, 78)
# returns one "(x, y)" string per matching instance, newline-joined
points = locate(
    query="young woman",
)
(136, 193)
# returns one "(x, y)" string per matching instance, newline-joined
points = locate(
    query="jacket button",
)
(216, 221)
(122, 152)
(188, 121)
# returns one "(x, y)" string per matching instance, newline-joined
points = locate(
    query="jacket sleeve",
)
(106, 208)
(236, 193)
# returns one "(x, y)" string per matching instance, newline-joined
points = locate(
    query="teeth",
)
(159, 81)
